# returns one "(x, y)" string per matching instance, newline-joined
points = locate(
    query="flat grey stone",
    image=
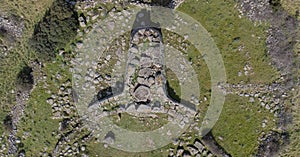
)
(142, 93)
(144, 108)
(199, 146)
(145, 72)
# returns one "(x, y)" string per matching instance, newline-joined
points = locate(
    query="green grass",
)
(221, 19)
(31, 12)
(218, 17)
(39, 124)
(293, 149)
(291, 6)
(37, 120)
(198, 64)
(173, 84)
(240, 126)
(97, 149)
(240, 121)
(2, 117)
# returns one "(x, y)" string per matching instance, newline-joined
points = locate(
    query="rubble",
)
(282, 30)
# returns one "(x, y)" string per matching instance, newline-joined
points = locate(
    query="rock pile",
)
(172, 4)
(61, 102)
(4, 145)
(145, 82)
(72, 142)
(11, 29)
(11, 25)
(189, 148)
(282, 30)
(271, 97)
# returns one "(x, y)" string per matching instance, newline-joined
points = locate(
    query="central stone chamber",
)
(145, 78)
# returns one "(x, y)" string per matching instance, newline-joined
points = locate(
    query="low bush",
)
(57, 28)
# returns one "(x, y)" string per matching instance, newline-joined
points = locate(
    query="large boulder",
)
(142, 94)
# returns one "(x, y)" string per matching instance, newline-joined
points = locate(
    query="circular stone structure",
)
(103, 34)
(142, 94)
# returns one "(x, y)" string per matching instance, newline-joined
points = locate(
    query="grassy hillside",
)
(241, 43)
(239, 126)
(29, 13)
(238, 39)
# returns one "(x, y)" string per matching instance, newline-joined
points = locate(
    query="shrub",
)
(7, 122)
(25, 79)
(58, 27)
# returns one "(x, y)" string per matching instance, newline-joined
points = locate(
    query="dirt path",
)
(24, 85)
(17, 112)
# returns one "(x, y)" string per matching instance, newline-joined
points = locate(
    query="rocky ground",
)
(271, 97)
(282, 33)
(11, 28)
(281, 41)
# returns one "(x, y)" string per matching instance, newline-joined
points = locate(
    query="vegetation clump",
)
(57, 28)
(25, 79)
(7, 122)
(275, 4)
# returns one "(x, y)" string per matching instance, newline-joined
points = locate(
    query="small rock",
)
(179, 152)
(175, 142)
(240, 73)
(50, 101)
(111, 25)
(131, 108)
(82, 24)
(105, 145)
(140, 80)
(204, 153)
(199, 146)
(181, 143)
(142, 93)
(108, 57)
(251, 99)
(192, 150)
(263, 125)
(268, 107)
(79, 45)
(109, 138)
(262, 104)
(210, 155)
(18, 141)
(151, 80)
(95, 17)
(82, 148)
(171, 152)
